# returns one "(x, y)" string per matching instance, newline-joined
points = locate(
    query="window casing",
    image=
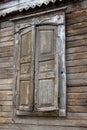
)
(40, 70)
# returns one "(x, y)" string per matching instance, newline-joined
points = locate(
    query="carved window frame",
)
(58, 20)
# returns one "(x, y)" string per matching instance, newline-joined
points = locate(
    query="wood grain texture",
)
(46, 78)
(24, 63)
(76, 61)
(76, 43)
(6, 71)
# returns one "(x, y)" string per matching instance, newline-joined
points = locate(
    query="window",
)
(40, 73)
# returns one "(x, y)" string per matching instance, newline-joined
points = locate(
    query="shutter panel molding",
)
(25, 70)
(46, 68)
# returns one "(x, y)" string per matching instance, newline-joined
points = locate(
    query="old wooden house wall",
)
(76, 62)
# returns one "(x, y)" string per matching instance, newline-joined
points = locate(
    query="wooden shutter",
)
(25, 68)
(46, 69)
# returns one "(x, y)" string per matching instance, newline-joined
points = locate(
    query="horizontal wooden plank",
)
(82, 116)
(80, 62)
(6, 114)
(79, 82)
(7, 32)
(54, 122)
(6, 44)
(6, 70)
(12, 129)
(77, 102)
(77, 43)
(10, 126)
(5, 93)
(6, 28)
(74, 20)
(42, 127)
(77, 50)
(77, 26)
(32, 123)
(8, 38)
(76, 56)
(6, 87)
(6, 73)
(6, 126)
(6, 64)
(5, 76)
(6, 49)
(14, 126)
(77, 13)
(80, 109)
(5, 97)
(6, 108)
(6, 81)
(77, 95)
(6, 103)
(74, 32)
(77, 76)
(77, 69)
(5, 120)
(78, 37)
(7, 24)
(6, 59)
(81, 89)
(6, 54)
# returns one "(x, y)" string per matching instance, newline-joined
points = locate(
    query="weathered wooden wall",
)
(76, 62)
(6, 71)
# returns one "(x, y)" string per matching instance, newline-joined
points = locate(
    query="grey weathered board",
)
(46, 76)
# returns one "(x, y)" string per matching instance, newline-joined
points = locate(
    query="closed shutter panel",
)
(25, 70)
(46, 69)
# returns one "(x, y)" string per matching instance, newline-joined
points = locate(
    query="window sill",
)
(37, 113)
